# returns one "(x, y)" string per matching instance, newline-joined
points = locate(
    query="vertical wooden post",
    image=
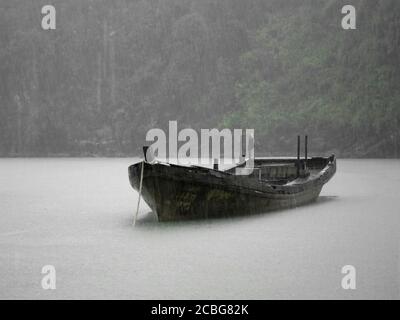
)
(215, 165)
(145, 148)
(305, 151)
(242, 148)
(298, 155)
(140, 193)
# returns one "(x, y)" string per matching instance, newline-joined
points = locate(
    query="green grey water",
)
(76, 214)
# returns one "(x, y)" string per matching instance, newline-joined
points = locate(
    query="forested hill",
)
(112, 70)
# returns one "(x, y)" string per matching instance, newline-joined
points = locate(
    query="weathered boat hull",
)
(181, 193)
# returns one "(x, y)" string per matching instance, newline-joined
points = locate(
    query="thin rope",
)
(140, 193)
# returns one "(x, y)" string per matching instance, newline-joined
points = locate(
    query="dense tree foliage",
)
(112, 70)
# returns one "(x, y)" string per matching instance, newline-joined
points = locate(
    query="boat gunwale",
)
(243, 183)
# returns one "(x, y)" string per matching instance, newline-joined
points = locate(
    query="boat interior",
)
(284, 170)
(275, 170)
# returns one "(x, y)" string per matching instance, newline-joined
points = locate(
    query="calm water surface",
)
(76, 214)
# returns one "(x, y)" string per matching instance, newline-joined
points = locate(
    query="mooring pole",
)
(305, 151)
(140, 193)
(145, 148)
(215, 165)
(298, 155)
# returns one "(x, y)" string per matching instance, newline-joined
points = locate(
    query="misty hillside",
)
(112, 70)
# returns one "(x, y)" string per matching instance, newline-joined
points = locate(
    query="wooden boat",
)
(176, 192)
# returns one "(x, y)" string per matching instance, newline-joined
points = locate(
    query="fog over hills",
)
(112, 70)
